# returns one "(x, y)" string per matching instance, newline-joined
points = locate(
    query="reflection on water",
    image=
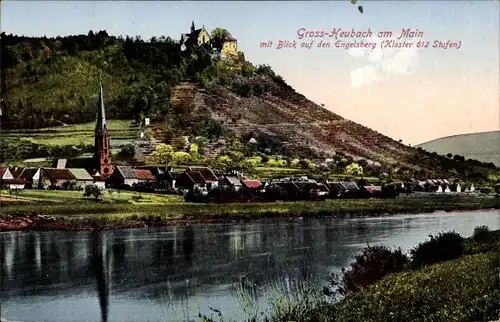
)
(167, 274)
(97, 268)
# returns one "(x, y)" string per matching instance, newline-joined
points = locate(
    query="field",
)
(119, 130)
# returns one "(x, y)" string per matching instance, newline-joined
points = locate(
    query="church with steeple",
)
(102, 156)
(99, 163)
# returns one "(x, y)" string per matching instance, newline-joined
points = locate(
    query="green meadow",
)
(74, 134)
(122, 205)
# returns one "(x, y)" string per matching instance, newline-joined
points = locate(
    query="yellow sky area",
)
(413, 110)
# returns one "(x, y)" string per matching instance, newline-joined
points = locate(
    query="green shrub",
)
(463, 290)
(440, 248)
(370, 266)
(481, 234)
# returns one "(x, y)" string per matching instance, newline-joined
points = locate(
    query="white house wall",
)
(100, 184)
(16, 186)
(130, 182)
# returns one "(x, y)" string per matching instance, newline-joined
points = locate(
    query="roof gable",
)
(252, 184)
(126, 172)
(206, 172)
(233, 180)
(80, 174)
(59, 174)
(196, 177)
(143, 174)
(28, 173)
(5, 173)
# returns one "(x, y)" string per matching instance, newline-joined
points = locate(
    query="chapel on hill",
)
(198, 37)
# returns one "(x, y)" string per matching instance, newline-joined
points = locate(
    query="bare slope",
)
(484, 146)
(288, 123)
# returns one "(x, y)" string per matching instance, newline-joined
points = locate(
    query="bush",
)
(443, 247)
(481, 234)
(92, 191)
(369, 267)
(464, 290)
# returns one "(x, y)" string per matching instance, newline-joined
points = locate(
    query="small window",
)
(105, 160)
(106, 170)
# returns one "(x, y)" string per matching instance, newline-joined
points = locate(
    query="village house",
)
(40, 179)
(163, 175)
(82, 178)
(251, 184)
(188, 180)
(231, 181)
(6, 174)
(60, 178)
(15, 183)
(211, 180)
(122, 176)
(343, 189)
(9, 178)
(128, 176)
(16, 171)
(27, 175)
(143, 176)
(99, 181)
(371, 191)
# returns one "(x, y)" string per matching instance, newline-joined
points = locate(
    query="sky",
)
(413, 94)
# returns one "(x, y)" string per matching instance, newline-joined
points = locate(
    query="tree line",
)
(54, 81)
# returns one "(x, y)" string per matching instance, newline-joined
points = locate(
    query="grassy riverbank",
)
(69, 210)
(465, 288)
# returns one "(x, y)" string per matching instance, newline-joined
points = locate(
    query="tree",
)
(127, 151)
(194, 152)
(354, 169)
(181, 158)
(218, 36)
(92, 190)
(163, 154)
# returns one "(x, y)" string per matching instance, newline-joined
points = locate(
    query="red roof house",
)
(143, 175)
(252, 184)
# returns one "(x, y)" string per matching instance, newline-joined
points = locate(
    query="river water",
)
(172, 273)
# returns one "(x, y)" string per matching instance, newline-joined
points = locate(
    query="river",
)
(172, 273)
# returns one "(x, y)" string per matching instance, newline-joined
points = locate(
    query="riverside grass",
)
(127, 207)
(465, 289)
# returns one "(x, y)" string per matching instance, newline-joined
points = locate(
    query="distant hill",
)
(484, 146)
(47, 82)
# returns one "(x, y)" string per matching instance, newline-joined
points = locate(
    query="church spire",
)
(101, 114)
(192, 26)
(102, 153)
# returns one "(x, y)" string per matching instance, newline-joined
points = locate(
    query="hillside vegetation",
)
(235, 108)
(484, 146)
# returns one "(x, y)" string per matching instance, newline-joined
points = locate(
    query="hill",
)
(484, 146)
(233, 105)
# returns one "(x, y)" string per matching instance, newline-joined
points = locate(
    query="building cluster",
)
(98, 169)
(152, 178)
(201, 36)
(205, 181)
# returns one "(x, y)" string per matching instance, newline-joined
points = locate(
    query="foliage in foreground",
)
(462, 290)
(465, 289)
(440, 248)
(481, 234)
(374, 263)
